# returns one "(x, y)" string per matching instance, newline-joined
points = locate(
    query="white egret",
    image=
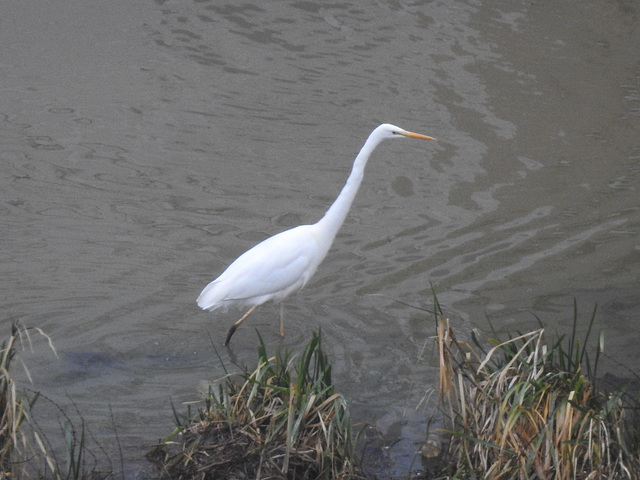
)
(284, 263)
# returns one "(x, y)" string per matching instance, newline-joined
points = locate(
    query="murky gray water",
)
(145, 145)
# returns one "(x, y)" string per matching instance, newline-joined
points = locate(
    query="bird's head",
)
(386, 130)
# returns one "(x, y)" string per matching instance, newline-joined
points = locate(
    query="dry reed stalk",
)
(520, 413)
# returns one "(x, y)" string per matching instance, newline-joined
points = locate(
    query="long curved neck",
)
(333, 219)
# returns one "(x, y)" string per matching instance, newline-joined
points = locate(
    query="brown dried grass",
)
(525, 409)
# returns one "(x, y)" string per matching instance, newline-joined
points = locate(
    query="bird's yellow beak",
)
(417, 135)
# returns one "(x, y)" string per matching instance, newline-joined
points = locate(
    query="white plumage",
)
(283, 264)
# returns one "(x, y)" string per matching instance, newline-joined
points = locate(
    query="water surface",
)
(144, 146)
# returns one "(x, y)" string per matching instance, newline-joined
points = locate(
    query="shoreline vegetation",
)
(530, 406)
(283, 420)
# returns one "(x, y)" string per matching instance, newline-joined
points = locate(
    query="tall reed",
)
(529, 409)
(19, 446)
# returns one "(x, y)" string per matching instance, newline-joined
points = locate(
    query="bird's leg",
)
(282, 320)
(237, 324)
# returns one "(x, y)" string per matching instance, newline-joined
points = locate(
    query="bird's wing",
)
(280, 264)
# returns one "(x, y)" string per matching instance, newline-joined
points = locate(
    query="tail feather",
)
(212, 297)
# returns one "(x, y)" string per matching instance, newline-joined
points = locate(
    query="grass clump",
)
(19, 446)
(527, 409)
(25, 451)
(283, 420)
